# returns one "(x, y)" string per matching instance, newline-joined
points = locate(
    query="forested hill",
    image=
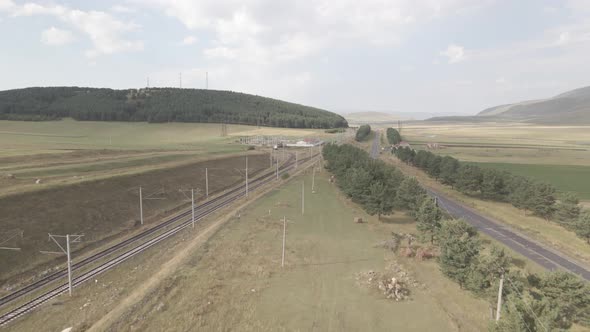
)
(160, 105)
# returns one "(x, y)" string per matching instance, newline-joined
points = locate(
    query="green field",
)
(27, 137)
(67, 151)
(570, 178)
(236, 282)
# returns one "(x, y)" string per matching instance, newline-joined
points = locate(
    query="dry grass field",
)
(235, 281)
(67, 152)
(83, 177)
(507, 143)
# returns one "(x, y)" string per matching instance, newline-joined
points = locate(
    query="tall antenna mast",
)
(207, 80)
(148, 82)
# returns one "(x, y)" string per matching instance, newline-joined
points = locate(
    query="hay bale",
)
(38, 181)
(358, 220)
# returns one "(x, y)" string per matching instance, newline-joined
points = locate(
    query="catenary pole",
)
(140, 206)
(193, 205)
(206, 183)
(69, 264)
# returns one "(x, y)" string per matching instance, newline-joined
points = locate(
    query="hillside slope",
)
(160, 105)
(569, 108)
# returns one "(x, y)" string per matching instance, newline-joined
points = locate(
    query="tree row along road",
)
(548, 258)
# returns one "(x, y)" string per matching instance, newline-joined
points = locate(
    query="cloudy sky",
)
(433, 56)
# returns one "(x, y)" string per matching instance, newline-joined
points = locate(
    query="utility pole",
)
(270, 157)
(283, 152)
(295, 159)
(140, 206)
(313, 181)
(193, 205)
(277, 169)
(246, 176)
(206, 183)
(302, 198)
(284, 236)
(69, 264)
(67, 251)
(499, 298)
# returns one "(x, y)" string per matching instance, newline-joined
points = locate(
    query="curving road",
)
(548, 258)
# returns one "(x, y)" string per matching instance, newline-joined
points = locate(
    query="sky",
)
(428, 56)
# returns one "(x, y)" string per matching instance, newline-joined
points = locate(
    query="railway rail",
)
(201, 211)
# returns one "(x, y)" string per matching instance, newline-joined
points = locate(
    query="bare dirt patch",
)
(105, 209)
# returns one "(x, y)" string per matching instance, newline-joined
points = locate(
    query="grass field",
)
(22, 137)
(537, 228)
(68, 152)
(505, 143)
(566, 178)
(236, 281)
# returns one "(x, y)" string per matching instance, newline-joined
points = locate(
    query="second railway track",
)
(201, 211)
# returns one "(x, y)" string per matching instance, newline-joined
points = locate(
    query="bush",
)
(362, 133)
(285, 176)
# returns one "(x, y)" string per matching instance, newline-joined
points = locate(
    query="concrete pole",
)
(193, 205)
(313, 181)
(295, 159)
(246, 176)
(69, 264)
(277, 169)
(206, 183)
(140, 206)
(499, 306)
(283, 157)
(284, 236)
(302, 198)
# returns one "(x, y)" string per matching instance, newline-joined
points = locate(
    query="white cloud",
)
(564, 38)
(104, 30)
(54, 36)
(6, 5)
(251, 29)
(122, 9)
(189, 40)
(454, 53)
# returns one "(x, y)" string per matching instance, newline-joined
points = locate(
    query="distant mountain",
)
(568, 108)
(376, 117)
(160, 105)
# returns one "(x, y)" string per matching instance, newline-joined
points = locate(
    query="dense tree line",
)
(541, 199)
(160, 105)
(554, 300)
(376, 186)
(363, 132)
(393, 136)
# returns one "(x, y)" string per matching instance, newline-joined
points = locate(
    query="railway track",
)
(201, 211)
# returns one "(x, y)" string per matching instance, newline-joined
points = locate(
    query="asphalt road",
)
(548, 258)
